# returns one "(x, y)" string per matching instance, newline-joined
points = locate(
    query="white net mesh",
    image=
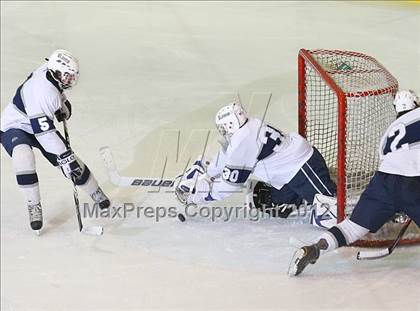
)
(369, 91)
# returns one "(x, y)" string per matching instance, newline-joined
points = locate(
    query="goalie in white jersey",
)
(395, 187)
(28, 121)
(292, 168)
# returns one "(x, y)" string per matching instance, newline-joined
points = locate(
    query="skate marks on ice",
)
(245, 245)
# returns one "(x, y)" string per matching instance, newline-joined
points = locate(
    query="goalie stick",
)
(130, 181)
(380, 253)
(92, 230)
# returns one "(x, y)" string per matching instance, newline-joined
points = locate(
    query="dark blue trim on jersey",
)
(268, 147)
(27, 179)
(412, 135)
(17, 100)
(42, 124)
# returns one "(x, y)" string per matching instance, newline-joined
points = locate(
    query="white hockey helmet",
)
(64, 68)
(230, 118)
(405, 100)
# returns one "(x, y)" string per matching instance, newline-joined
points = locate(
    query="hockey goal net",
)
(345, 106)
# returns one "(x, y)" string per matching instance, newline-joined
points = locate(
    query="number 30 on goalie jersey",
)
(236, 175)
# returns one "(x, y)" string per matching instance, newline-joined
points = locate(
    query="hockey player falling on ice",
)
(394, 188)
(28, 121)
(286, 162)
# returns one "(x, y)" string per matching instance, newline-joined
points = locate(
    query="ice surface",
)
(151, 69)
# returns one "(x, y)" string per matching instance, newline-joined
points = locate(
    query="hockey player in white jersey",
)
(395, 187)
(28, 121)
(286, 162)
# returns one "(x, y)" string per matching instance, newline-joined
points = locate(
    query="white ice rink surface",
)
(150, 67)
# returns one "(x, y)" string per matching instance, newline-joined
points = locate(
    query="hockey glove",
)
(188, 182)
(260, 197)
(69, 165)
(64, 113)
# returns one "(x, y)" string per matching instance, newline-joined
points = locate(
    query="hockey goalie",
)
(288, 169)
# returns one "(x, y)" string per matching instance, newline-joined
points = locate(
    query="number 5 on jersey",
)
(42, 124)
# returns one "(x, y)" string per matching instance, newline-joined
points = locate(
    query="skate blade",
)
(94, 230)
(293, 263)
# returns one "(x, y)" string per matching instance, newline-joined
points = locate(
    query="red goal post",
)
(345, 106)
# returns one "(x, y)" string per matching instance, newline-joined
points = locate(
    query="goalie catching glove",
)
(260, 196)
(194, 186)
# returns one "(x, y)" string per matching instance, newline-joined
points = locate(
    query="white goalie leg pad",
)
(324, 212)
(249, 197)
(351, 231)
(201, 190)
(24, 165)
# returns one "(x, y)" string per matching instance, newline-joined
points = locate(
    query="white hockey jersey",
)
(33, 108)
(259, 149)
(399, 149)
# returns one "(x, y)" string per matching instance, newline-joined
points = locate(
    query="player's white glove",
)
(70, 165)
(194, 185)
(64, 113)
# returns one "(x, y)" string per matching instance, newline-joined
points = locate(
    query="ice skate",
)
(35, 216)
(303, 257)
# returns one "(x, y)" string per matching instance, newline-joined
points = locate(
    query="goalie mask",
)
(230, 118)
(64, 67)
(405, 101)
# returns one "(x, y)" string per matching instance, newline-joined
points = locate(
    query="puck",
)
(181, 217)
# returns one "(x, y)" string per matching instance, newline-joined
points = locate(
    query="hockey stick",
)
(376, 254)
(92, 230)
(128, 181)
